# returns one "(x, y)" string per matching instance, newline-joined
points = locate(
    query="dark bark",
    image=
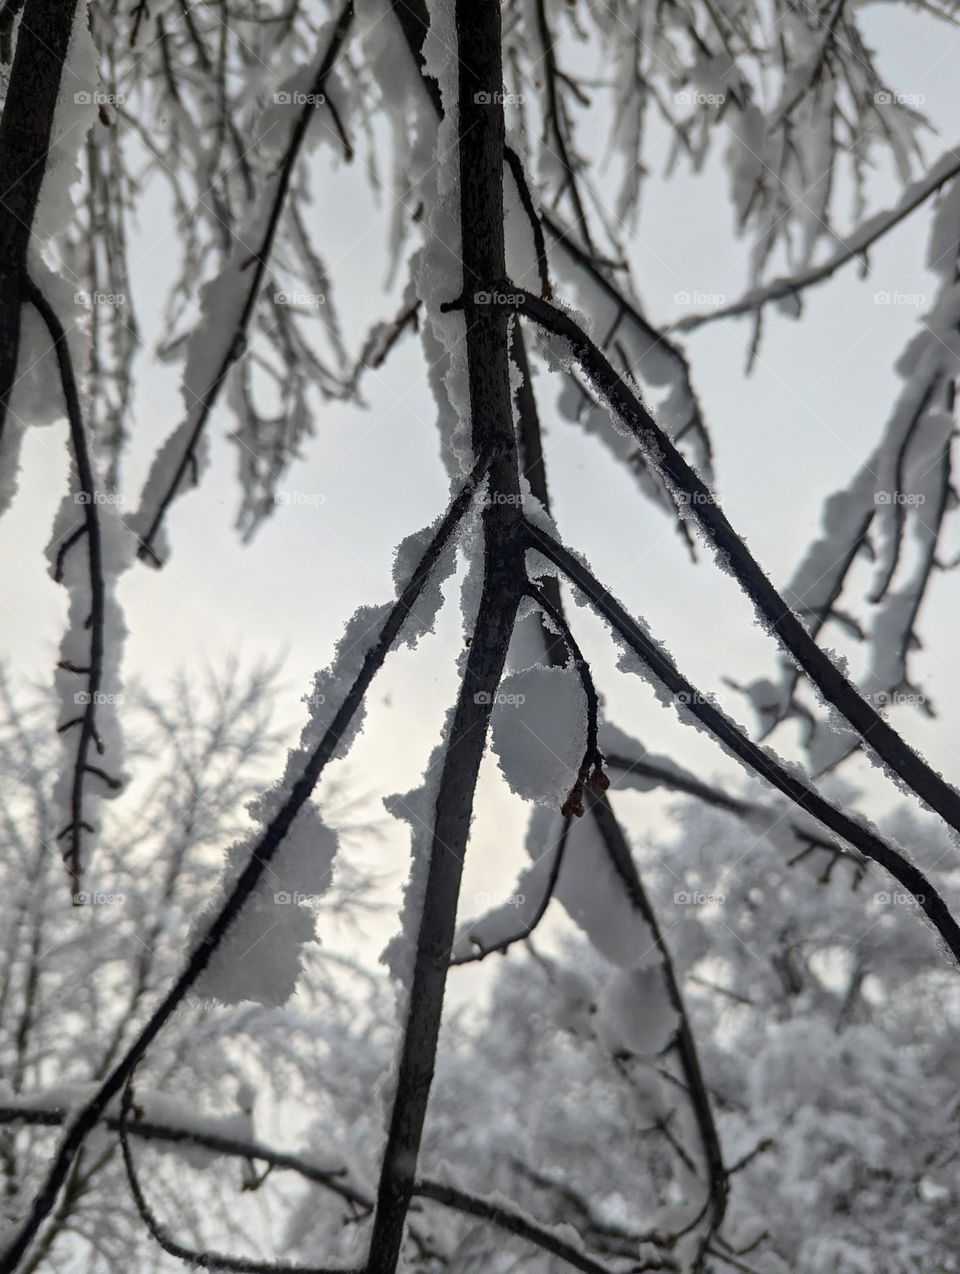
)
(772, 609)
(26, 127)
(480, 166)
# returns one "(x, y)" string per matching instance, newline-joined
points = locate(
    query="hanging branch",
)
(751, 754)
(258, 260)
(856, 245)
(877, 733)
(205, 1260)
(87, 498)
(529, 927)
(26, 134)
(87, 1117)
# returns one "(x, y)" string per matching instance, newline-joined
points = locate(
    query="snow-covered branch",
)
(323, 749)
(227, 306)
(854, 246)
(760, 760)
(94, 619)
(694, 495)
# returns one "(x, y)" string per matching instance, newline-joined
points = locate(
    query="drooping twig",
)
(741, 746)
(857, 244)
(87, 498)
(256, 266)
(266, 847)
(529, 927)
(205, 1260)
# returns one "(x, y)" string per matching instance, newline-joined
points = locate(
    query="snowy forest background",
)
(249, 346)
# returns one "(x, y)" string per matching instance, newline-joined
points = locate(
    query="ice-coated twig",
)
(877, 733)
(267, 845)
(480, 951)
(88, 737)
(205, 1260)
(152, 518)
(756, 758)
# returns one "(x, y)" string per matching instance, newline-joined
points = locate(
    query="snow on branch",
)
(696, 499)
(325, 740)
(227, 305)
(855, 245)
(87, 556)
(135, 1125)
(904, 491)
(763, 762)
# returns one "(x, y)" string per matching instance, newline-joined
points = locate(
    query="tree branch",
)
(751, 754)
(266, 847)
(690, 489)
(86, 494)
(258, 261)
